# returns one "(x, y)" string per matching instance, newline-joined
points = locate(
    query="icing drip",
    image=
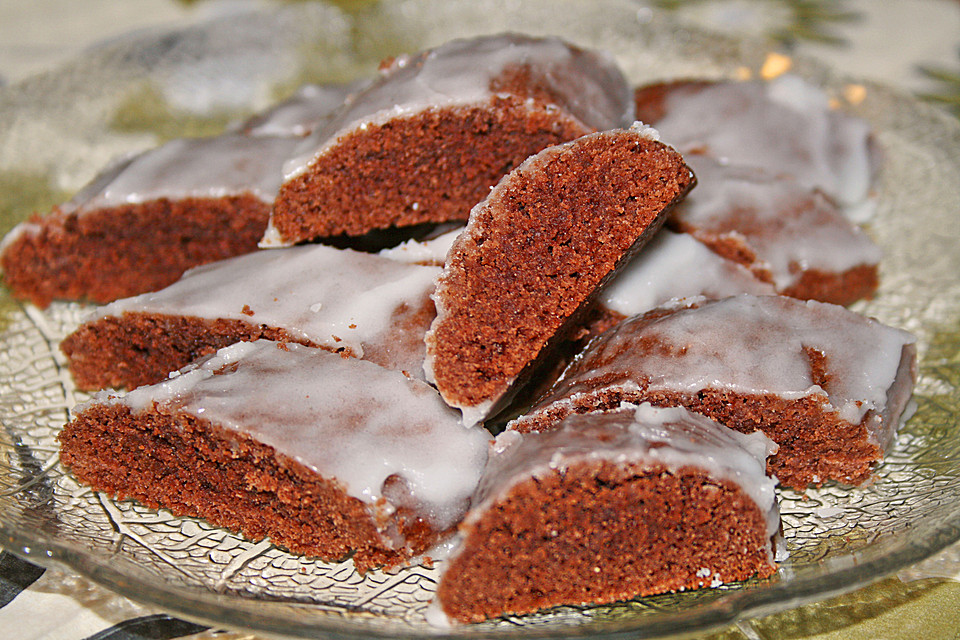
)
(433, 251)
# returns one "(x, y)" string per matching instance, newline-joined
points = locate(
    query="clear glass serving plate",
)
(58, 130)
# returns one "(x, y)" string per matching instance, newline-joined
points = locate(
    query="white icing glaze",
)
(785, 125)
(674, 266)
(331, 297)
(755, 345)
(459, 73)
(433, 251)
(475, 414)
(790, 228)
(226, 165)
(640, 434)
(634, 434)
(303, 112)
(344, 418)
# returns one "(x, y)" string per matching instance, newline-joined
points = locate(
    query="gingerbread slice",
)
(535, 252)
(427, 140)
(356, 304)
(326, 455)
(828, 385)
(609, 507)
(143, 222)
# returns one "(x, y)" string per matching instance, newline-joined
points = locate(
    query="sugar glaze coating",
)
(674, 266)
(757, 345)
(338, 298)
(672, 437)
(459, 72)
(778, 227)
(828, 385)
(227, 165)
(346, 419)
(191, 167)
(302, 113)
(617, 487)
(785, 126)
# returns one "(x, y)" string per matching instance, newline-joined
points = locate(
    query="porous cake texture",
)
(535, 252)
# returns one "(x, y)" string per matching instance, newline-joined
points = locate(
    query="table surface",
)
(910, 44)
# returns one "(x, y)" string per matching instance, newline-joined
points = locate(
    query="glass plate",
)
(58, 130)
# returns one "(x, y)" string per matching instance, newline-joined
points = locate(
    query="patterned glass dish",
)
(58, 130)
